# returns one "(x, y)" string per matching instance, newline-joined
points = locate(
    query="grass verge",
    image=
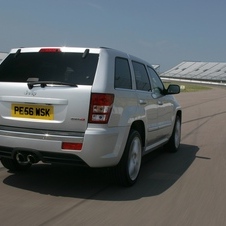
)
(188, 87)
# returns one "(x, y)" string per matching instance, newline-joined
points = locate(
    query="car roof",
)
(57, 49)
(110, 51)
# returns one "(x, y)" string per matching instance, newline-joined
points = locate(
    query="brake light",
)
(71, 146)
(100, 107)
(50, 50)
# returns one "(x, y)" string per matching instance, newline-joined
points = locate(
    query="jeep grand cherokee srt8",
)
(95, 107)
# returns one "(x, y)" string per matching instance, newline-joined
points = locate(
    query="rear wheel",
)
(13, 165)
(128, 169)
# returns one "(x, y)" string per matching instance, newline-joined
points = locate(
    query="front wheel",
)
(174, 142)
(128, 169)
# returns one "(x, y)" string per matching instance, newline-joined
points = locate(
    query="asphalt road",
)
(185, 188)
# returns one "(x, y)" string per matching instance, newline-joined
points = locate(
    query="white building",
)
(201, 71)
(2, 55)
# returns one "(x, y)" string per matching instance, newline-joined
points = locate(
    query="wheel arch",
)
(179, 113)
(139, 126)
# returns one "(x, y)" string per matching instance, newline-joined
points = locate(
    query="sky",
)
(164, 32)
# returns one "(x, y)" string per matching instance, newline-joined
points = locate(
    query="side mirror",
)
(173, 89)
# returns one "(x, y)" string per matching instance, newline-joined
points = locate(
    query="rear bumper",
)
(101, 147)
(44, 156)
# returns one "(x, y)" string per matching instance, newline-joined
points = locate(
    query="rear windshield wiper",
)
(43, 84)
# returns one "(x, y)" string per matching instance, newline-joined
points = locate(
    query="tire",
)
(128, 169)
(13, 165)
(174, 142)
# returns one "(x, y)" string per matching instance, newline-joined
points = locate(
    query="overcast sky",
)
(164, 32)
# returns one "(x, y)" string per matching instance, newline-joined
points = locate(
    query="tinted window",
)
(63, 67)
(142, 80)
(157, 85)
(122, 74)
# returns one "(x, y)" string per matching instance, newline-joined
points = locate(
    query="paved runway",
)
(186, 188)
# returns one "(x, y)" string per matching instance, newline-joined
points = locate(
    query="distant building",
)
(2, 55)
(156, 67)
(198, 71)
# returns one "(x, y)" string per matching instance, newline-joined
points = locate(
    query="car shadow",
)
(160, 170)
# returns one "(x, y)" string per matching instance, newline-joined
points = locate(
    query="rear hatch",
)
(47, 88)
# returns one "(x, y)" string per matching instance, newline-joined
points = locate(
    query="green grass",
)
(188, 87)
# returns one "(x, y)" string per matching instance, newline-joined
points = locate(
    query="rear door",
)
(46, 89)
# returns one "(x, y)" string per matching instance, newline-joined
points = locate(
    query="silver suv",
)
(95, 107)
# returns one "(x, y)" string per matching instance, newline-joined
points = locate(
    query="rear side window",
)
(142, 79)
(122, 74)
(62, 67)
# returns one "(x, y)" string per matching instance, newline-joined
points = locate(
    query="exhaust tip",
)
(32, 159)
(20, 158)
(26, 158)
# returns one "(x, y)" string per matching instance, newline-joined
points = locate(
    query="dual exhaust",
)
(25, 159)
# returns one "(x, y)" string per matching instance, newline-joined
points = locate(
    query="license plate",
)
(32, 111)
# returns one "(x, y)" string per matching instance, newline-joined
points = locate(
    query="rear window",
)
(62, 67)
(122, 74)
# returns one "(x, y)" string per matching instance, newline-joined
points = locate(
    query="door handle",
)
(160, 102)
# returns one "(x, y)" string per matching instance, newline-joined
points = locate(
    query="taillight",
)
(71, 146)
(100, 107)
(50, 50)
